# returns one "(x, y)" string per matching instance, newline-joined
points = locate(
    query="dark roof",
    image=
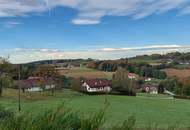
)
(35, 81)
(98, 83)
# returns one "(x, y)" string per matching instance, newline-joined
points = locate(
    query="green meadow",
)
(148, 110)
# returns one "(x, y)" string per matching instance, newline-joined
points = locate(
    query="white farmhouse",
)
(96, 85)
(37, 84)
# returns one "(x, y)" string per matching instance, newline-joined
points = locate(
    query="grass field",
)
(148, 111)
(78, 72)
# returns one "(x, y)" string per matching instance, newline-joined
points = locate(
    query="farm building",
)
(36, 84)
(96, 85)
(132, 76)
(150, 88)
(147, 79)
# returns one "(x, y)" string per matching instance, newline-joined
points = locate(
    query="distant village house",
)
(37, 84)
(132, 76)
(147, 79)
(150, 88)
(96, 85)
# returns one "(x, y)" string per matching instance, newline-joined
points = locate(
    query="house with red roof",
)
(36, 84)
(150, 88)
(132, 76)
(96, 85)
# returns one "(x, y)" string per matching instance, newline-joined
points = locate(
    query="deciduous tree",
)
(122, 83)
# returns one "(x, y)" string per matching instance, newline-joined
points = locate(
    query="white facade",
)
(39, 89)
(131, 76)
(106, 89)
(154, 92)
(151, 90)
(148, 79)
(49, 86)
(34, 89)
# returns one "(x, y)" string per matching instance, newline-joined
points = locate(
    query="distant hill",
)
(183, 58)
(174, 57)
(58, 61)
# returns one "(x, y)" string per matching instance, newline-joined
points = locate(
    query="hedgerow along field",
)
(157, 110)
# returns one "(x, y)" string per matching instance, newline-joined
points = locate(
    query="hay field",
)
(78, 72)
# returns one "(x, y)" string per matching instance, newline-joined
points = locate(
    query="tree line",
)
(9, 74)
(121, 83)
(175, 56)
(143, 69)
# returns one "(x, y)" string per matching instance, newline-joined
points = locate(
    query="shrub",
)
(94, 122)
(76, 85)
(5, 113)
(59, 118)
(182, 97)
(129, 124)
(121, 83)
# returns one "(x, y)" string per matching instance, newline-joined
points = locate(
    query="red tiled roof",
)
(132, 74)
(35, 81)
(98, 83)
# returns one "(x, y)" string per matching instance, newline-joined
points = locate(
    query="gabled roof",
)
(98, 83)
(132, 74)
(35, 81)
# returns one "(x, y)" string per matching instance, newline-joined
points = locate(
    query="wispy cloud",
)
(11, 24)
(23, 55)
(186, 10)
(33, 50)
(92, 11)
(154, 47)
(85, 21)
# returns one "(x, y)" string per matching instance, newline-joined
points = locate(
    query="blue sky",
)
(33, 30)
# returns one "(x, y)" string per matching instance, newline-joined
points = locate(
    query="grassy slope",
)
(85, 73)
(146, 110)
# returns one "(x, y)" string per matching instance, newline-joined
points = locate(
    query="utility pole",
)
(19, 97)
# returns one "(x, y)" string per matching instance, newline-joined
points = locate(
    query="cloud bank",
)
(24, 55)
(92, 11)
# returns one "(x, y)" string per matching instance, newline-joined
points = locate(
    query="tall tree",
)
(186, 86)
(46, 71)
(122, 83)
(5, 78)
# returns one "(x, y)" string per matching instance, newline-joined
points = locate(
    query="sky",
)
(32, 30)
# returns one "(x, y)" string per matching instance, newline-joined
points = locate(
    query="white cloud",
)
(158, 47)
(92, 11)
(85, 21)
(23, 55)
(10, 24)
(186, 10)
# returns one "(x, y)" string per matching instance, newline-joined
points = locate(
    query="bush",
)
(129, 124)
(59, 118)
(62, 118)
(182, 97)
(93, 122)
(121, 83)
(4, 113)
(76, 85)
